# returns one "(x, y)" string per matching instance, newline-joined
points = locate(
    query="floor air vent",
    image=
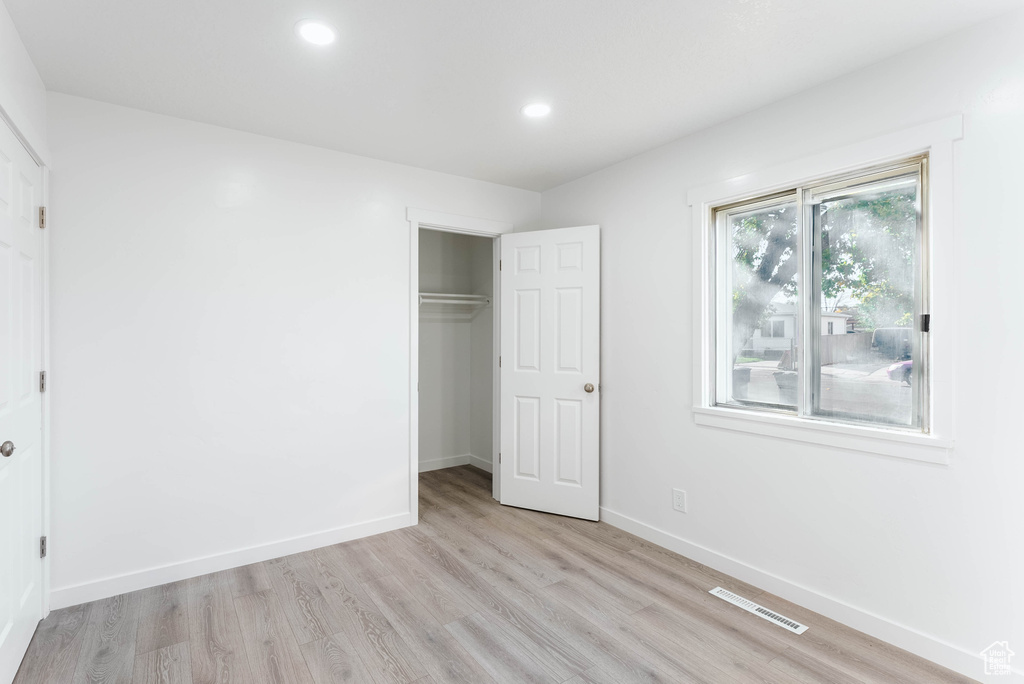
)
(760, 611)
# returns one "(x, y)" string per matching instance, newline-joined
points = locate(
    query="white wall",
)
(481, 378)
(230, 343)
(446, 262)
(22, 93)
(445, 407)
(927, 556)
(455, 353)
(444, 350)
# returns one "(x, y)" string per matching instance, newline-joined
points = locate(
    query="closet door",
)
(550, 370)
(21, 486)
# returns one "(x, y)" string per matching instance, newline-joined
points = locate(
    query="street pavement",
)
(862, 391)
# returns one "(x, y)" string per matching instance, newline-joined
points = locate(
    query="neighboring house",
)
(778, 333)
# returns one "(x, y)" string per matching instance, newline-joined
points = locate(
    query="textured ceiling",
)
(438, 83)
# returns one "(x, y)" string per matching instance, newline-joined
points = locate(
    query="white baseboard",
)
(954, 657)
(452, 461)
(143, 579)
(444, 462)
(481, 463)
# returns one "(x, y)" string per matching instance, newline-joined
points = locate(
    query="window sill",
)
(915, 447)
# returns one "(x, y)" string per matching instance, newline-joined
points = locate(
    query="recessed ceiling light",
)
(536, 110)
(316, 32)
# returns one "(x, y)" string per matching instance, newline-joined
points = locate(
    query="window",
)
(844, 254)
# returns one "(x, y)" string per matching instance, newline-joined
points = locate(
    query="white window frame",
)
(933, 139)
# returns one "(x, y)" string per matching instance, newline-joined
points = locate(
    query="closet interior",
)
(456, 350)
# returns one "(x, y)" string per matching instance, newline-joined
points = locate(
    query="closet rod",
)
(445, 295)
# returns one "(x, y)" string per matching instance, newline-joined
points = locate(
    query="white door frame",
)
(466, 225)
(44, 355)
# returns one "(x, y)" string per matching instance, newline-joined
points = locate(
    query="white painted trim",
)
(915, 447)
(443, 462)
(481, 463)
(962, 660)
(455, 461)
(936, 139)
(45, 403)
(454, 223)
(37, 156)
(414, 371)
(494, 469)
(887, 148)
(143, 579)
(449, 223)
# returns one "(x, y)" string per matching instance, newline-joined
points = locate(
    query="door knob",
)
(589, 387)
(7, 448)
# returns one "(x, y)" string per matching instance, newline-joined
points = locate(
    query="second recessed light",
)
(536, 110)
(316, 32)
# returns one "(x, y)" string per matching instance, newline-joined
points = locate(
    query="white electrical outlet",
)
(679, 500)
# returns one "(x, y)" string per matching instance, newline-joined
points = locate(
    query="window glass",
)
(868, 238)
(846, 344)
(762, 293)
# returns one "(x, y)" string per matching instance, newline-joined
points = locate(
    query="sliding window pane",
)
(757, 307)
(866, 363)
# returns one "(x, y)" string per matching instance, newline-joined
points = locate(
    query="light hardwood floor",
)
(476, 593)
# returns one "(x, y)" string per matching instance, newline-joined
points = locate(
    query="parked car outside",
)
(901, 371)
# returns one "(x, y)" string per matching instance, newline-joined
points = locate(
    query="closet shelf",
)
(452, 305)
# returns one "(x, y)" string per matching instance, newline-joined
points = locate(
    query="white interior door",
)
(21, 278)
(550, 370)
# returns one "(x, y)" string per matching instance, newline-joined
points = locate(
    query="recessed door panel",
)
(7, 360)
(6, 185)
(26, 304)
(27, 473)
(570, 256)
(527, 438)
(569, 330)
(527, 326)
(569, 442)
(8, 527)
(527, 259)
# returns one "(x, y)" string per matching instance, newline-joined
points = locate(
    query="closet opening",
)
(457, 315)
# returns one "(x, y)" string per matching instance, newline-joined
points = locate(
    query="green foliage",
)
(868, 248)
(764, 245)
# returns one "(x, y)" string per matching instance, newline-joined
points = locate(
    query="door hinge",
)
(42, 381)
(499, 264)
(926, 322)
(42, 547)
(499, 457)
(42, 218)
(499, 362)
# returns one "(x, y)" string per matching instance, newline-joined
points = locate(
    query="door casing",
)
(465, 225)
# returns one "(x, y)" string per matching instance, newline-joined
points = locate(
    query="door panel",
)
(20, 405)
(550, 347)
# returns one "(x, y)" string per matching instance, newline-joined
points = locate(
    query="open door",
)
(21, 412)
(550, 370)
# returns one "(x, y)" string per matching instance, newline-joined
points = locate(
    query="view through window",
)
(819, 299)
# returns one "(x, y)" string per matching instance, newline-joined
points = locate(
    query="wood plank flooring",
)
(476, 593)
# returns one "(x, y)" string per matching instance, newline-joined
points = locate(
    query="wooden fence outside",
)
(845, 348)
